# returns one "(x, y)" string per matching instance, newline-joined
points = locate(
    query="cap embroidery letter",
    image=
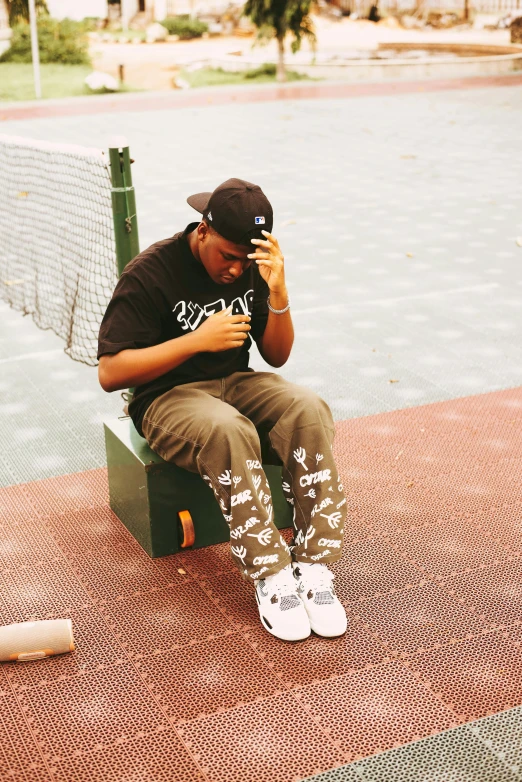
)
(209, 215)
(260, 220)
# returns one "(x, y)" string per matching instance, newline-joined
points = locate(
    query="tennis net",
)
(57, 247)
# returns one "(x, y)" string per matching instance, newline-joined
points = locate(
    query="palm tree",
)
(277, 18)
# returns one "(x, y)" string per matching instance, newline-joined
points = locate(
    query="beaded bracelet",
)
(278, 312)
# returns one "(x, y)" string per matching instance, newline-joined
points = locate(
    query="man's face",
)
(223, 260)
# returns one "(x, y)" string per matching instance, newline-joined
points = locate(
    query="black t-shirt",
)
(165, 293)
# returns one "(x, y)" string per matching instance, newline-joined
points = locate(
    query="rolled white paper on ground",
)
(36, 640)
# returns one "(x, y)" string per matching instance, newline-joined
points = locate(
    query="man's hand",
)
(271, 263)
(222, 331)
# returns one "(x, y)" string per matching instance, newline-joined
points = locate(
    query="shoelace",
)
(317, 577)
(282, 583)
(317, 580)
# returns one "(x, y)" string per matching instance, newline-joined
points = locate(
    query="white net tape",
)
(57, 251)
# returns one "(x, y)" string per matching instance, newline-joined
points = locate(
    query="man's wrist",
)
(193, 340)
(279, 299)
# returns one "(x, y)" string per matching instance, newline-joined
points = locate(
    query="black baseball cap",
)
(237, 210)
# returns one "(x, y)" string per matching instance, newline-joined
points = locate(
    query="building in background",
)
(129, 11)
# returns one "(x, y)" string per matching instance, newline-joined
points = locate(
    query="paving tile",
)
(348, 773)
(20, 756)
(400, 506)
(40, 591)
(106, 559)
(431, 456)
(515, 633)
(502, 734)
(23, 544)
(494, 593)
(416, 619)
(475, 488)
(385, 429)
(318, 659)
(444, 548)
(507, 406)
(207, 677)
(15, 505)
(361, 468)
(48, 458)
(92, 530)
(158, 756)
(90, 711)
(234, 597)
(165, 619)
(208, 562)
(474, 677)
(370, 711)
(452, 756)
(72, 492)
(272, 741)
(501, 522)
(372, 568)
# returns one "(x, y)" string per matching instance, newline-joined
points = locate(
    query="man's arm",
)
(276, 343)
(278, 337)
(134, 367)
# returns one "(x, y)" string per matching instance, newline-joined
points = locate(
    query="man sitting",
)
(179, 328)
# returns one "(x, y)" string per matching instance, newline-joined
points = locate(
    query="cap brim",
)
(199, 201)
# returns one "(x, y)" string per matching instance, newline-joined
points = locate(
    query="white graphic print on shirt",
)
(191, 315)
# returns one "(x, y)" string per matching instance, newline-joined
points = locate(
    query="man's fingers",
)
(239, 318)
(263, 243)
(259, 256)
(271, 237)
(234, 318)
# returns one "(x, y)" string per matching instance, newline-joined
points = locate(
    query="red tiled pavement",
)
(371, 711)
(173, 677)
(225, 96)
(475, 677)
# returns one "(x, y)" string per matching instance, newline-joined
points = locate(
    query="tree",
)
(277, 18)
(19, 10)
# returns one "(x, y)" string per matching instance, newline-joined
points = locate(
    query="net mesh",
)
(57, 249)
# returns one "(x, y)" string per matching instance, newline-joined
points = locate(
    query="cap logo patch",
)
(260, 220)
(209, 215)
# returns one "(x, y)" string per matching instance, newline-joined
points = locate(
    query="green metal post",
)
(123, 205)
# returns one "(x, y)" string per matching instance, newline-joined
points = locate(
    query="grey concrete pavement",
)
(398, 217)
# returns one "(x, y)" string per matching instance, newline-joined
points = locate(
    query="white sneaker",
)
(282, 612)
(325, 612)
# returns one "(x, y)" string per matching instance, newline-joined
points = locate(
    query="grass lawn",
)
(58, 81)
(62, 81)
(211, 77)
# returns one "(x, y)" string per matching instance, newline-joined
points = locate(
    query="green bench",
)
(148, 495)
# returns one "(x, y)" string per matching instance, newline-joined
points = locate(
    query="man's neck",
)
(192, 240)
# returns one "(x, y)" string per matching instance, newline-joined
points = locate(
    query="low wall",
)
(480, 60)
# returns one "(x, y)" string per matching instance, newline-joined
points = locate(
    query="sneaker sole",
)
(325, 633)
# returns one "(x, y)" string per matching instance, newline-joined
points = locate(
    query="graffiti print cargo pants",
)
(216, 428)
